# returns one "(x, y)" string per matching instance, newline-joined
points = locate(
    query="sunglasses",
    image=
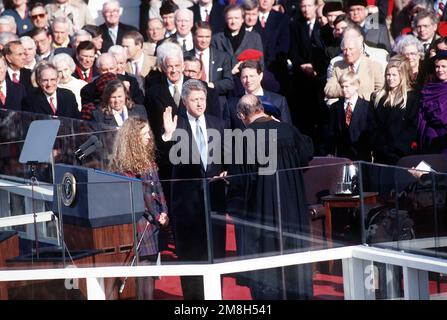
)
(40, 15)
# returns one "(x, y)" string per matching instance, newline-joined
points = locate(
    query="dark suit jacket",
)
(378, 37)
(273, 99)
(251, 40)
(15, 96)
(158, 98)
(122, 29)
(138, 110)
(37, 102)
(305, 49)
(351, 142)
(25, 79)
(187, 204)
(89, 92)
(275, 38)
(220, 71)
(217, 18)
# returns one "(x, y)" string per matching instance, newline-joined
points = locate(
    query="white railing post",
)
(353, 283)
(212, 286)
(415, 284)
(95, 289)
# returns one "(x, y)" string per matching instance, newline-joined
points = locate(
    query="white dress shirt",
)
(353, 101)
(117, 116)
(139, 62)
(208, 8)
(10, 72)
(206, 61)
(54, 96)
(179, 86)
(189, 41)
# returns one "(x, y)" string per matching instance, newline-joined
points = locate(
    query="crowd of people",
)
(365, 80)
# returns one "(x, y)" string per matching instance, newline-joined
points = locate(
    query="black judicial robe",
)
(256, 199)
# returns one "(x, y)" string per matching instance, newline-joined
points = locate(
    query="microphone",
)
(92, 148)
(86, 144)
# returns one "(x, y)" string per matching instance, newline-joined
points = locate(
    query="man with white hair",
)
(166, 91)
(60, 32)
(80, 36)
(8, 24)
(184, 19)
(30, 51)
(354, 60)
(113, 29)
(106, 63)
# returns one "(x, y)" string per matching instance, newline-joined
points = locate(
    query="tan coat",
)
(371, 76)
(149, 63)
(77, 12)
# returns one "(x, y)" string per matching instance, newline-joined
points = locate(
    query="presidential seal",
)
(68, 189)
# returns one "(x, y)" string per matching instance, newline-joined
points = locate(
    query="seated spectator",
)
(47, 98)
(65, 67)
(348, 122)
(116, 105)
(20, 13)
(30, 51)
(12, 95)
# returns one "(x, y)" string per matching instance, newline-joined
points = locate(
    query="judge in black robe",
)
(257, 197)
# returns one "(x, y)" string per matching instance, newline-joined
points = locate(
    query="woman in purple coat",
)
(432, 126)
(134, 156)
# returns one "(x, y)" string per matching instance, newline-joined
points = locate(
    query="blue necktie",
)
(122, 116)
(201, 144)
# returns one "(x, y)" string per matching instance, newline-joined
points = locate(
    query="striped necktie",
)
(348, 114)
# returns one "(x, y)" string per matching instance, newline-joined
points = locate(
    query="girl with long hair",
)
(395, 110)
(134, 156)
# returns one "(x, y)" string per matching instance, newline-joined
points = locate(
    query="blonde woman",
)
(395, 112)
(134, 156)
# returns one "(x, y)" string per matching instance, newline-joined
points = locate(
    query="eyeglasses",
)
(39, 15)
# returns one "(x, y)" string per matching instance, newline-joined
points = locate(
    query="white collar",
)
(258, 93)
(353, 101)
(193, 119)
(178, 84)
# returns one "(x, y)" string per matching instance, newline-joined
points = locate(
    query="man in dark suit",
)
(85, 62)
(48, 98)
(274, 104)
(165, 91)
(193, 130)
(113, 29)
(309, 64)
(216, 69)
(273, 26)
(14, 54)
(12, 95)
(213, 13)
(349, 120)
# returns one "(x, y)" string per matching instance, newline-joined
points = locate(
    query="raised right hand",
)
(169, 123)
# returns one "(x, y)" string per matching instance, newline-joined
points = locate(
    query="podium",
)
(98, 210)
(9, 247)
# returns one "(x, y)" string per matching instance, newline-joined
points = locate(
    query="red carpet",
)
(326, 287)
